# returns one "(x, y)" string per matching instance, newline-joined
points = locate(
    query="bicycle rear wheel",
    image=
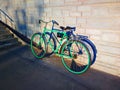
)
(92, 49)
(90, 45)
(38, 45)
(79, 57)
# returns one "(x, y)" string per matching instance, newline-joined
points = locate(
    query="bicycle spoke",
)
(38, 45)
(79, 62)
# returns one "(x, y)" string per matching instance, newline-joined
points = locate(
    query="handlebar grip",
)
(39, 21)
(54, 22)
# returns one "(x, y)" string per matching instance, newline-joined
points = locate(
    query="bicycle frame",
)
(62, 40)
(74, 54)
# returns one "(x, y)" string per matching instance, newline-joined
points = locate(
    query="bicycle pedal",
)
(75, 56)
(39, 47)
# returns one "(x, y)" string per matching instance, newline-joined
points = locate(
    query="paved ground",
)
(19, 70)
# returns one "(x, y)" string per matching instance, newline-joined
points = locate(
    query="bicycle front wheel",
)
(76, 57)
(51, 44)
(38, 45)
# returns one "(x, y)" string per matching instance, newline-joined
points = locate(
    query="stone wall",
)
(98, 19)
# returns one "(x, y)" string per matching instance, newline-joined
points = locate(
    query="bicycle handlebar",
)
(53, 21)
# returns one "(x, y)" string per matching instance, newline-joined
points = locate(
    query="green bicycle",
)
(74, 54)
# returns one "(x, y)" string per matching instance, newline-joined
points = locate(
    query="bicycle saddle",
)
(66, 28)
(61, 27)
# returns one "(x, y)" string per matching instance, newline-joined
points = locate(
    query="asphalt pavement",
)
(20, 70)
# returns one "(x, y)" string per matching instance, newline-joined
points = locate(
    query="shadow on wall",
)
(20, 15)
(27, 17)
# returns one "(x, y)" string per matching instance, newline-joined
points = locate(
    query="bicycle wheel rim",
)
(38, 45)
(66, 64)
(51, 44)
(91, 48)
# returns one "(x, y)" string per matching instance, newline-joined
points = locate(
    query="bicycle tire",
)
(51, 44)
(38, 45)
(76, 66)
(92, 49)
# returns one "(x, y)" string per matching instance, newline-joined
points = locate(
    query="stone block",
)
(84, 8)
(93, 31)
(65, 13)
(108, 49)
(100, 11)
(105, 69)
(56, 2)
(70, 2)
(111, 37)
(47, 9)
(103, 23)
(70, 8)
(95, 37)
(57, 13)
(46, 2)
(98, 1)
(70, 21)
(86, 14)
(110, 43)
(75, 14)
(114, 10)
(81, 20)
(80, 31)
(49, 14)
(107, 59)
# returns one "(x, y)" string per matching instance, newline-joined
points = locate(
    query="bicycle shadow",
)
(56, 60)
(76, 67)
